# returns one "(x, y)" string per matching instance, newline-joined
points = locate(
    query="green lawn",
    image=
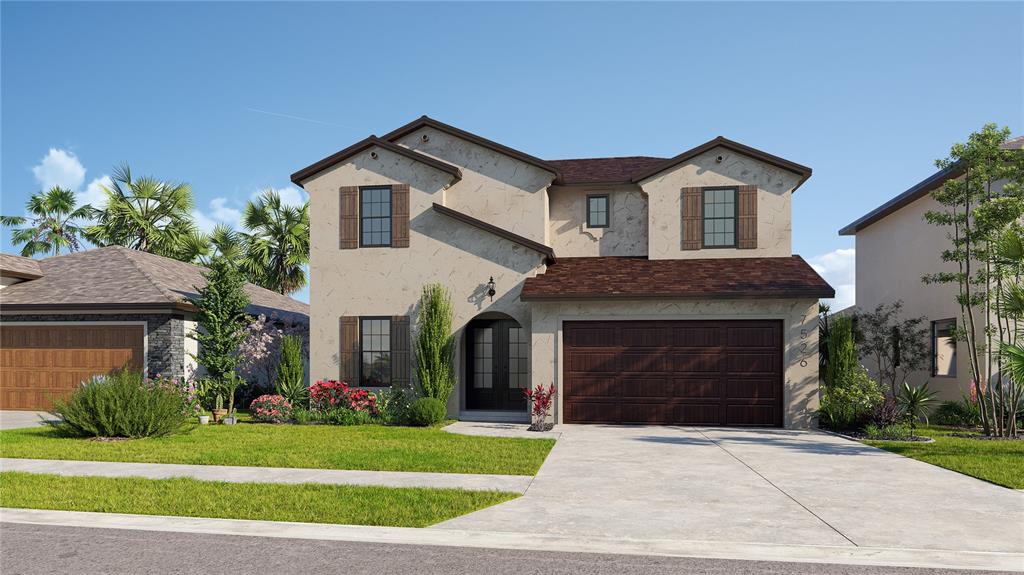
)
(1001, 462)
(368, 447)
(312, 503)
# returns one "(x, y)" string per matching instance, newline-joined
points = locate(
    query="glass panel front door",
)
(497, 365)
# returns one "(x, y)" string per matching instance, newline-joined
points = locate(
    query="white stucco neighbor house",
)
(896, 247)
(647, 290)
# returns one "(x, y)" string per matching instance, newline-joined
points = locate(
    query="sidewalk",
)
(511, 483)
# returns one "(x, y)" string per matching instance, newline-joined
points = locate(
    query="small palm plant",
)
(915, 402)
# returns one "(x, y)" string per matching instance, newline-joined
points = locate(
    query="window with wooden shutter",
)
(693, 226)
(400, 351)
(348, 350)
(348, 206)
(747, 215)
(400, 216)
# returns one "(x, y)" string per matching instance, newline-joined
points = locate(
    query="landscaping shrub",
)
(291, 380)
(328, 394)
(393, 405)
(302, 416)
(435, 344)
(342, 416)
(897, 431)
(123, 404)
(271, 409)
(888, 412)
(427, 411)
(842, 354)
(849, 401)
(963, 413)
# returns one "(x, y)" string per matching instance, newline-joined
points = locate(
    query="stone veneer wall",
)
(165, 335)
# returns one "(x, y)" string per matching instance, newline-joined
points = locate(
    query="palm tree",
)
(146, 214)
(53, 224)
(277, 245)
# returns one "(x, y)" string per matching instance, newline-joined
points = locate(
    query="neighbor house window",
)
(720, 217)
(375, 216)
(597, 211)
(375, 344)
(944, 348)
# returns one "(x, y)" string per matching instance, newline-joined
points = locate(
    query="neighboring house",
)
(648, 290)
(66, 318)
(896, 247)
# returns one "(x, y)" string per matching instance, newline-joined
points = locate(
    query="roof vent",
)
(373, 155)
(425, 138)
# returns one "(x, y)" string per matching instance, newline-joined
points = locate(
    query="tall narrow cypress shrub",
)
(842, 355)
(435, 344)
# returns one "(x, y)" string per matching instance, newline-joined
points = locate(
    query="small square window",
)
(597, 211)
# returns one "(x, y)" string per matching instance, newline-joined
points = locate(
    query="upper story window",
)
(597, 211)
(375, 343)
(944, 348)
(375, 216)
(719, 209)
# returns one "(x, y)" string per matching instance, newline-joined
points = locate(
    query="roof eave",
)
(916, 192)
(311, 170)
(546, 251)
(171, 306)
(803, 171)
(813, 293)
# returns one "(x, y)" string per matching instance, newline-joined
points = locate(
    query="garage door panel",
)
(590, 386)
(697, 388)
(41, 363)
(726, 372)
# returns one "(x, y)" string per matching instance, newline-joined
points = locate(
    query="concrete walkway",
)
(512, 483)
(771, 487)
(487, 429)
(17, 419)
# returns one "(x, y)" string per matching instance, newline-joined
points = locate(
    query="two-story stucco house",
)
(896, 247)
(647, 290)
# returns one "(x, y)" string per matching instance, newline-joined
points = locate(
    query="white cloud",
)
(219, 213)
(94, 194)
(59, 168)
(290, 195)
(838, 267)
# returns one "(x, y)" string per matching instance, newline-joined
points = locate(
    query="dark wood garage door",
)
(674, 372)
(40, 363)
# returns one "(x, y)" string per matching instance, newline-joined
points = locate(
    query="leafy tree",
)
(977, 209)
(897, 346)
(435, 344)
(277, 243)
(222, 321)
(146, 214)
(1010, 391)
(53, 224)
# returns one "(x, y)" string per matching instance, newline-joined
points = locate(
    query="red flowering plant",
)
(541, 399)
(271, 409)
(331, 394)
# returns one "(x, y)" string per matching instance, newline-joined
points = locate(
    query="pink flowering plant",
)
(185, 388)
(271, 409)
(259, 352)
(541, 399)
(332, 394)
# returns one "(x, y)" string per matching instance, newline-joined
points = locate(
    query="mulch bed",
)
(981, 437)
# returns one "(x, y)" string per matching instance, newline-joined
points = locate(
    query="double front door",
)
(497, 365)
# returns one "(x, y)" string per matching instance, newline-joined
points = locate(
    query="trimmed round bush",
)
(427, 411)
(122, 404)
(271, 409)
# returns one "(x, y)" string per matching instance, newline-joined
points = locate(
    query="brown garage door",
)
(39, 363)
(674, 372)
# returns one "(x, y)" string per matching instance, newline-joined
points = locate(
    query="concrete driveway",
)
(16, 419)
(753, 486)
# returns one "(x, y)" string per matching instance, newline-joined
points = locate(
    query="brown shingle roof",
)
(629, 277)
(118, 277)
(601, 170)
(19, 267)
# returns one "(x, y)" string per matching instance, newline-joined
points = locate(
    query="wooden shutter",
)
(400, 216)
(400, 356)
(348, 206)
(348, 351)
(746, 238)
(693, 224)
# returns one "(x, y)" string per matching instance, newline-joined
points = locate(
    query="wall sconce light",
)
(490, 288)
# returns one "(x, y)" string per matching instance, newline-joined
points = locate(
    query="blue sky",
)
(233, 97)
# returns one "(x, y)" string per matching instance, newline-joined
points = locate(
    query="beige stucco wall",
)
(775, 187)
(495, 188)
(387, 281)
(626, 234)
(892, 256)
(800, 329)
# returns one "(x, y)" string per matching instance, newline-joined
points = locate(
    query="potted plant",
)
(541, 399)
(204, 419)
(231, 383)
(218, 410)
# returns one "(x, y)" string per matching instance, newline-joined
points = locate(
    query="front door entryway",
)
(497, 365)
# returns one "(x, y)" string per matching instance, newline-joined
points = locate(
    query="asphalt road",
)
(37, 549)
